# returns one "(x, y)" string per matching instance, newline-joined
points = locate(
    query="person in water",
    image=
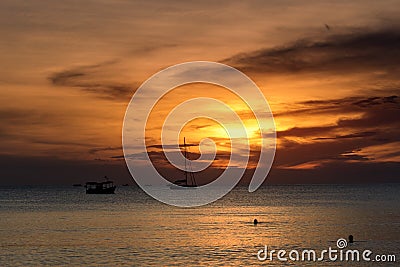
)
(351, 239)
(255, 222)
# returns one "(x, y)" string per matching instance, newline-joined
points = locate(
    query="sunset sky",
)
(329, 70)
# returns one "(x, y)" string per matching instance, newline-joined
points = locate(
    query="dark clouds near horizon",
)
(378, 125)
(356, 51)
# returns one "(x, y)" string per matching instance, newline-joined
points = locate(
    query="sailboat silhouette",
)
(189, 181)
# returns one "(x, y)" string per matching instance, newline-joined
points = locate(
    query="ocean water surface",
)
(42, 226)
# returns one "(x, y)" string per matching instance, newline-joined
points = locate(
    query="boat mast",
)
(184, 145)
(191, 175)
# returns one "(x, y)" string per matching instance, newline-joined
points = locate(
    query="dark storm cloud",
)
(102, 149)
(46, 141)
(352, 156)
(339, 172)
(198, 127)
(169, 146)
(353, 135)
(356, 51)
(92, 79)
(378, 125)
(334, 106)
(305, 131)
(379, 111)
(160, 156)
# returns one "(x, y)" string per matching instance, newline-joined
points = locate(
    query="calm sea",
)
(64, 226)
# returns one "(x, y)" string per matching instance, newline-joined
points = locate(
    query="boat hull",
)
(110, 190)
